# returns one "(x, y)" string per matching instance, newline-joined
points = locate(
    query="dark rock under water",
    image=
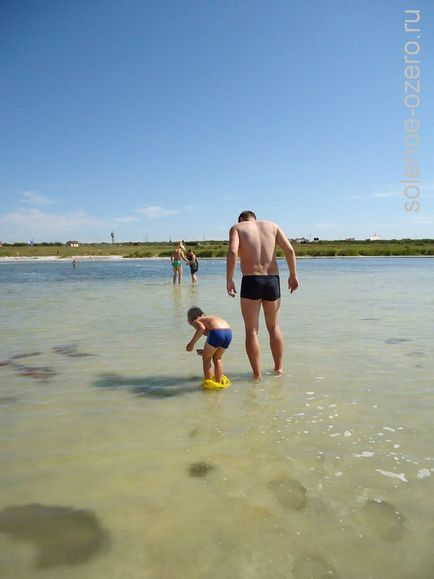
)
(383, 519)
(25, 355)
(64, 348)
(8, 399)
(71, 351)
(62, 535)
(289, 492)
(200, 469)
(313, 566)
(36, 372)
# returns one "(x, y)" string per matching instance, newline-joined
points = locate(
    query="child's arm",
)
(200, 330)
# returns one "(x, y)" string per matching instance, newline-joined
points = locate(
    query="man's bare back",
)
(257, 247)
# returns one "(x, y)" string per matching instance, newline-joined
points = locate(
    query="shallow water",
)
(326, 471)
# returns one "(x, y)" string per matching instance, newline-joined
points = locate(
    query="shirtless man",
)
(255, 244)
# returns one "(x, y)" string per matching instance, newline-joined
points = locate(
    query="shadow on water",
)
(151, 386)
(155, 386)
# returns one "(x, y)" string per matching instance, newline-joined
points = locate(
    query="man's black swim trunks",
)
(260, 287)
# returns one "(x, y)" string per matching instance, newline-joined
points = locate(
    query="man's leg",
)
(271, 313)
(250, 310)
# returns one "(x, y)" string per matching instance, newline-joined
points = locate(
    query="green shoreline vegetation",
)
(204, 249)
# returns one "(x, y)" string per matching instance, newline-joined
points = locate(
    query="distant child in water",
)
(219, 336)
(194, 265)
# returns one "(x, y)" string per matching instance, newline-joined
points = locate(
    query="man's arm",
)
(283, 242)
(231, 260)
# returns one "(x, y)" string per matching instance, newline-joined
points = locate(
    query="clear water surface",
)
(115, 463)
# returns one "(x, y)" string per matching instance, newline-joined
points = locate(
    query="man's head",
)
(193, 314)
(246, 216)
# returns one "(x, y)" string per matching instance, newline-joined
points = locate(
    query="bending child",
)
(219, 336)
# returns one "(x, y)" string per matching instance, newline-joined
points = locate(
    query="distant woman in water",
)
(194, 265)
(176, 259)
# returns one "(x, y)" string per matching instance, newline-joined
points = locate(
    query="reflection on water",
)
(116, 463)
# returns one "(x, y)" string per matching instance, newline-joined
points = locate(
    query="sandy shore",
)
(57, 258)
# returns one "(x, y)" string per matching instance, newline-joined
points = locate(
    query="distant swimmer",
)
(219, 336)
(176, 259)
(194, 265)
(74, 262)
(254, 242)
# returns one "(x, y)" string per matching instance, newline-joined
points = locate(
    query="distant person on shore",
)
(176, 259)
(254, 242)
(219, 336)
(194, 265)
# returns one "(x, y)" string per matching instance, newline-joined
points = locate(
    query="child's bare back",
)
(213, 323)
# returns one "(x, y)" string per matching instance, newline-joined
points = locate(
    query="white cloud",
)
(376, 195)
(384, 194)
(325, 225)
(422, 220)
(155, 211)
(427, 190)
(35, 224)
(33, 198)
(126, 219)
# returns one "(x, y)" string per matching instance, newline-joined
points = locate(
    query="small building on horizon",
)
(72, 244)
(374, 237)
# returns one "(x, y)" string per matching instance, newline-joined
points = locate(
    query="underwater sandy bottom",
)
(116, 464)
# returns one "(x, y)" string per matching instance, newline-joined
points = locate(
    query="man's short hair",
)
(246, 215)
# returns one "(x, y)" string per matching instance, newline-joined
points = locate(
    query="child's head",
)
(194, 313)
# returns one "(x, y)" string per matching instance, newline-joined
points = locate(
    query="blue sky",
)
(164, 119)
